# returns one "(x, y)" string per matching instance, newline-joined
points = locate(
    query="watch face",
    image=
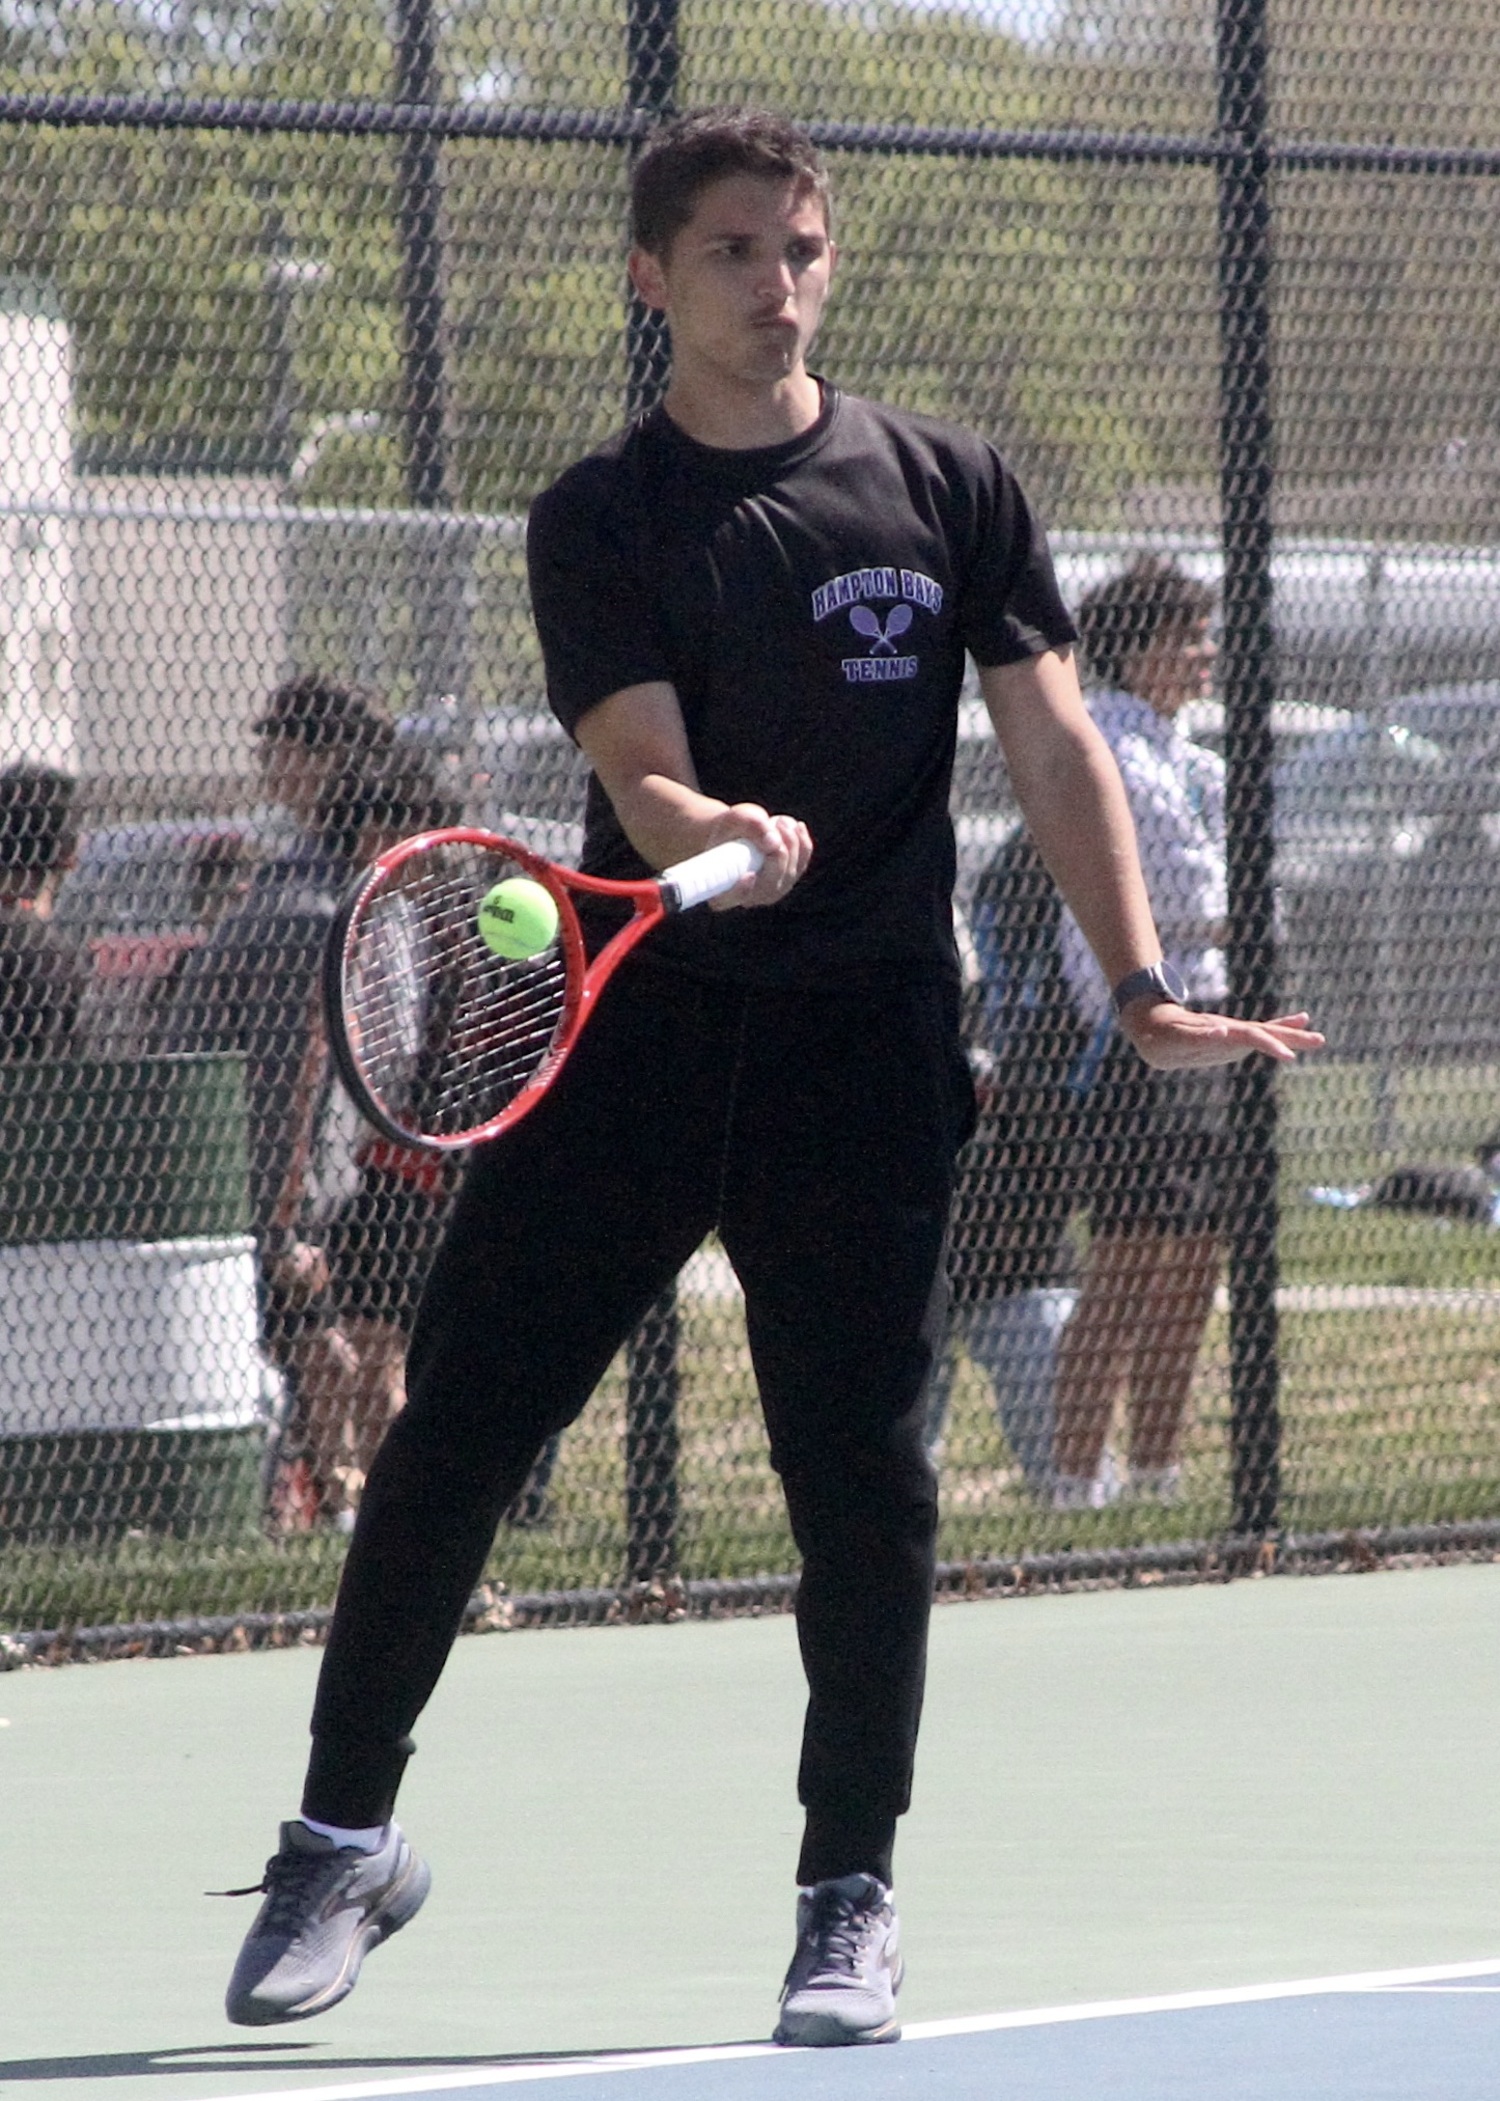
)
(1173, 983)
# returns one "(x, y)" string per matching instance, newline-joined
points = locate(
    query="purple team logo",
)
(912, 591)
(881, 636)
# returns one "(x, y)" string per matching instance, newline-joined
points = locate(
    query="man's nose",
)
(777, 280)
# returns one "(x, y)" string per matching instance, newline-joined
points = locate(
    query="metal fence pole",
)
(440, 565)
(1249, 684)
(651, 1444)
(419, 194)
(653, 58)
(653, 61)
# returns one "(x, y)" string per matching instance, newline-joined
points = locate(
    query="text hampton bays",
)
(879, 582)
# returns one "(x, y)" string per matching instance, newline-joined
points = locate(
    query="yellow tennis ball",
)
(518, 918)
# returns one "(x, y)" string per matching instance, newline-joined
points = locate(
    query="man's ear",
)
(648, 278)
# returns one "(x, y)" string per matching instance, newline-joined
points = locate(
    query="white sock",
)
(368, 1838)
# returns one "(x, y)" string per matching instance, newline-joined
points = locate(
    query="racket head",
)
(440, 1042)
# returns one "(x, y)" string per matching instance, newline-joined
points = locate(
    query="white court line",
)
(1184, 2002)
(915, 2031)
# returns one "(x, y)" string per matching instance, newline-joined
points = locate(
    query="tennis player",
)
(754, 607)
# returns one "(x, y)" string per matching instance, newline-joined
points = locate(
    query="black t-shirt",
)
(811, 603)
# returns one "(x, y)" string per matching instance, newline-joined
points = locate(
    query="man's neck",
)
(743, 419)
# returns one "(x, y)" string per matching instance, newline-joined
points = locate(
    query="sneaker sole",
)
(824, 2031)
(400, 1905)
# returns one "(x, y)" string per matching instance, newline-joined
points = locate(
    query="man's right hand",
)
(637, 744)
(785, 842)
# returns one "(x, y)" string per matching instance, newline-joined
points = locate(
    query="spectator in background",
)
(43, 974)
(379, 1208)
(253, 986)
(315, 730)
(1012, 1262)
(1155, 1144)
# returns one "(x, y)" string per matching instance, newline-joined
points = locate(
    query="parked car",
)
(1388, 867)
(1464, 718)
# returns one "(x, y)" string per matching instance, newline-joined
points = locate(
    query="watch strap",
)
(1153, 980)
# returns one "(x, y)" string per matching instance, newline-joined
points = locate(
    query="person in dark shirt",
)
(253, 986)
(754, 607)
(382, 1216)
(43, 974)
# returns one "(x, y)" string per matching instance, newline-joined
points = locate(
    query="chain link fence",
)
(301, 301)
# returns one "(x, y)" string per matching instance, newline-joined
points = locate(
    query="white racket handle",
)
(710, 874)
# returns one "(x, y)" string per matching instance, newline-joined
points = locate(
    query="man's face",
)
(1175, 667)
(744, 283)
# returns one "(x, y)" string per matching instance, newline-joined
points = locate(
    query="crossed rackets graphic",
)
(881, 637)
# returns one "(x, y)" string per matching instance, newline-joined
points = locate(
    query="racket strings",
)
(445, 1032)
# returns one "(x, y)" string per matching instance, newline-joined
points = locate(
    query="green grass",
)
(1339, 1127)
(1391, 1413)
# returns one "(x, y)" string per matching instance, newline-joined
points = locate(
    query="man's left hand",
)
(1174, 1038)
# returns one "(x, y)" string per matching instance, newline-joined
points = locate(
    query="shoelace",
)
(291, 1881)
(840, 1926)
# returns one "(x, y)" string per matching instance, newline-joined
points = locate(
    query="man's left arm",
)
(1071, 795)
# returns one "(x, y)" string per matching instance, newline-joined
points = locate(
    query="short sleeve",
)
(596, 620)
(1011, 607)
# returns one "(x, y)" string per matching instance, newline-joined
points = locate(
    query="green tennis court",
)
(1148, 1824)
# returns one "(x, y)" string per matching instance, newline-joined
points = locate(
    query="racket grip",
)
(709, 875)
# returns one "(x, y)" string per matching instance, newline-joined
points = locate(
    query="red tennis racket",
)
(439, 1041)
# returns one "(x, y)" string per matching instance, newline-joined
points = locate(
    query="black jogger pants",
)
(815, 1132)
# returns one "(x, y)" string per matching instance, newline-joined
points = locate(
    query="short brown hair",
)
(325, 715)
(691, 152)
(1126, 614)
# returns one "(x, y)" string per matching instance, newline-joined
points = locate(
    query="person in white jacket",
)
(1154, 1144)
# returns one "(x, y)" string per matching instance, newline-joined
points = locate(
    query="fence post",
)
(1249, 682)
(418, 198)
(439, 564)
(653, 61)
(653, 58)
(651, 1444)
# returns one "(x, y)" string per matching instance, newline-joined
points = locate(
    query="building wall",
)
(37, 688)
(179, 633)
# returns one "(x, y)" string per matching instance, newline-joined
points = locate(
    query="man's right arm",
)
(636, 742)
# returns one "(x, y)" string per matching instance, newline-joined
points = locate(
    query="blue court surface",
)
(1396, 2035)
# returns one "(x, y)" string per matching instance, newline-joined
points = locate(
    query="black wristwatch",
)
(1154, 981)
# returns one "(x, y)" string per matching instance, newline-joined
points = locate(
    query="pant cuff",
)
(354, 1783)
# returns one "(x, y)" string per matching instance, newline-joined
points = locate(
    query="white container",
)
(123, 1334)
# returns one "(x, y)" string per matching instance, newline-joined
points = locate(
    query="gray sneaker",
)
(326, 1907)
(846, 1972)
